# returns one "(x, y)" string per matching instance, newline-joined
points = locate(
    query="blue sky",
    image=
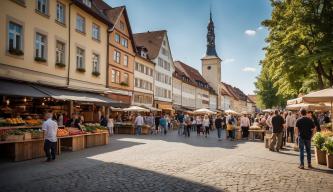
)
(239, 37)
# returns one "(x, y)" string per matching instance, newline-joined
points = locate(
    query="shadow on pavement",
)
(109, 177)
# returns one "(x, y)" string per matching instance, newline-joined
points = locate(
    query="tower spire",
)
(210, 36)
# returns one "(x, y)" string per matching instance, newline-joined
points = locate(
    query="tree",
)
(299, 55)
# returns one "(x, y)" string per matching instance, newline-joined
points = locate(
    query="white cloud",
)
(250, 32)
(249, 69)
(229, 60)
(259, 28)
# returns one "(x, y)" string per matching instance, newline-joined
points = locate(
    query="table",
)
(253, 134)
(96, 139)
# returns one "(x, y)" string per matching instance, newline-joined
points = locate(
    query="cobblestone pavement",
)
(167, 163)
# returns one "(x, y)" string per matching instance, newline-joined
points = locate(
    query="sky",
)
(238, 31)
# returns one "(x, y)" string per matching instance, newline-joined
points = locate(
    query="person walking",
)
(157, 123)
(110, 125)
(138, 124)
(194, 123)
(304, 130)
(205, 124)
(50, 129)
(150, 120)
(230, 128)
(180, 120)
(163, 124)
(61, 120)
(290, 123)
(199, 124)
(188, 124)
(245, 125)
(277, 124)
(218, 125)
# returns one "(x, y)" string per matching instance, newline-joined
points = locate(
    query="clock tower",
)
(211, 63)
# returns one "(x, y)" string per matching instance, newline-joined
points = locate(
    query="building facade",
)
(143, 79)
(42, 43)
(159, 52)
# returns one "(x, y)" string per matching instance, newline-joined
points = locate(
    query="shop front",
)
(166, 107)
(22, 110)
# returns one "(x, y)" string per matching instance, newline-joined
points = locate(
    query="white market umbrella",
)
(203, 111)
(229, 111)
(295, 101)
(135, 109)
(268, 110)
(309, 106)
(325, 95)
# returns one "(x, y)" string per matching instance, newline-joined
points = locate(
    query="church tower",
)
(211, 63)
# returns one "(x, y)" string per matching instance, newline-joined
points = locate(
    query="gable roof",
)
(252, 98)
(151, 40)
(95, 10)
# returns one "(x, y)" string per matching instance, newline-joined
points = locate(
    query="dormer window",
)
(144, 54)
(87, 3)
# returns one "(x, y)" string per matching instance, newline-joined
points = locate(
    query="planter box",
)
(320, 156)
(329, 160)
(14, 137)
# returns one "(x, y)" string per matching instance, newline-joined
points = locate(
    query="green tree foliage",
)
(299, 55)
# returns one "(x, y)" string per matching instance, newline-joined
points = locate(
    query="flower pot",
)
(320, 156)
(329, 160)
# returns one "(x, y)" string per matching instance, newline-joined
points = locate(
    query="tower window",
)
(209, 67)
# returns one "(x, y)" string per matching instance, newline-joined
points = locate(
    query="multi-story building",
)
(121, 53)
(157, 45)
(143, 79)
(43, 43)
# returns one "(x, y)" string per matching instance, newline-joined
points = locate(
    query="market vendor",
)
(50, 128)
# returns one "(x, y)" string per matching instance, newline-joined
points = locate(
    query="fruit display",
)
(94, 128)
(74, 131)
(15, 121)
(62, 133)
(33, 122)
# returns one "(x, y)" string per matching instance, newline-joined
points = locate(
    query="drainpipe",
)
(69, 42)
(107, 59)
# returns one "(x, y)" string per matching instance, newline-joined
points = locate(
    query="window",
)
(80, 23)
(95, 32)
(165, 52)
(40, 50)
(124, 42)
(151, 72)
(42, 6)
(122, 25)
(137, 66)
(60, 52)
(125, 78)
(160, 62)
(79, 58)
(60, 12)
(117, 38)
(142, 68)
(166, 65)
(136, 82)
(125, 60)
(15, 37)
(95, 62)
(87, 2)
(115, 76)
(116, 56)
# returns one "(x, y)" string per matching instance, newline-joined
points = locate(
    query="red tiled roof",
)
(151, 40)
(114, 13)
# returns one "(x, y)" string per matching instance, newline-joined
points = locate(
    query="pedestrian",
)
(199, 124)
(50, 129)
(60, 120)
(304, 129)
(315, 121)
(277, 123)
(157, 123)
(218, 125)
(290, 123)
(138, 124)
(188, 124)
(103, 121)
(163, 124)
(194, 123)
(110, 125)
(245, 125)
(230, 128)
(205, 124)
(150, 121)
(180, 120)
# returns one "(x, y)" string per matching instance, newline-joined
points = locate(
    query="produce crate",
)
(35, 135)
(27, 136)
(14, 137)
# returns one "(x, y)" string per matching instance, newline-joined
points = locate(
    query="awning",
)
(64, 94)
(150, 108)
(12, 88)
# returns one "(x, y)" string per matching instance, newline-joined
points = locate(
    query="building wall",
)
(159, 69)
(26, 68)
(212, 101)
(188, 95)
(202, 98)
(211, 72)
(177, 91)
(117, 87)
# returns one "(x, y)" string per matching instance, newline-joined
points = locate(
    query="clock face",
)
(209, 67)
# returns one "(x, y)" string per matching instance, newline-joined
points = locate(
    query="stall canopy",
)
(309, 106)
(152, 109)
(19, 89)
(203, 111)
(63, 94)
(135, 109)
(229, 111)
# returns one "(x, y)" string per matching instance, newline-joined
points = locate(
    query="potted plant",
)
(17, 52)
(319, 140)
(82, 70)
(124, 84)
(40, 59)
(328, 147)
(60, 65)
(96, 73)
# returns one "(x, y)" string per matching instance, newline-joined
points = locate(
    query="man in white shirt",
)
(290, 124)
(245, 125)
(50, 129)
(138, 124)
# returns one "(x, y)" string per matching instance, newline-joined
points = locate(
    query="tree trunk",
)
(320, 78)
